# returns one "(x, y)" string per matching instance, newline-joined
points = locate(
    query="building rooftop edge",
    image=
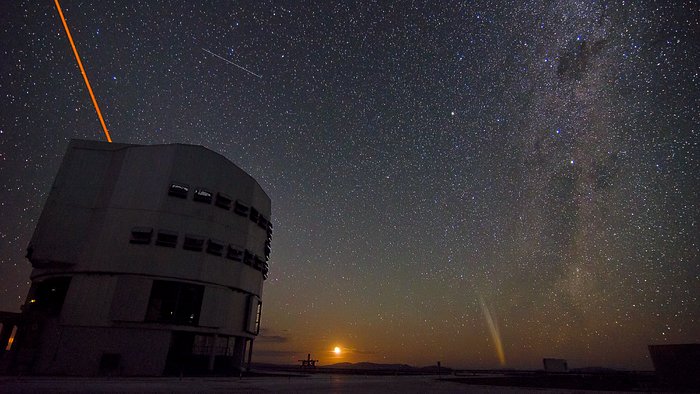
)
(115, 146)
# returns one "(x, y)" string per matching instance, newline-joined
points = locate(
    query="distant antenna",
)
(82, 71)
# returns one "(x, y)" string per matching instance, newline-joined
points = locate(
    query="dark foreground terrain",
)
(331, 382)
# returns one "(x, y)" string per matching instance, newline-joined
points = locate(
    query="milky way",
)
(541, 157)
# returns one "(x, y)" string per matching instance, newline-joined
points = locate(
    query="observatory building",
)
(147, 260)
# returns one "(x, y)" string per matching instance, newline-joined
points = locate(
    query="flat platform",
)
(319, 383)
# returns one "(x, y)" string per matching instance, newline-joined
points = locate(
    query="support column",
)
(212, 353)
(250, 354)
(239, 353)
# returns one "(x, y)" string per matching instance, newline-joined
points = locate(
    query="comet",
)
(230, 62)
(495, 333)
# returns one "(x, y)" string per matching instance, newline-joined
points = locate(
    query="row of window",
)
(196, 243)
(221, 200)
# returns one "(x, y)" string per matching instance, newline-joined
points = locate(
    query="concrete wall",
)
(100, 194)
(143, 352)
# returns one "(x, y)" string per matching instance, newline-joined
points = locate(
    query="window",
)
(241, 208)
(178, 189)
(258, 262)
(193, 242)
(247, 257)
(268, 244)
(223, 201)
(203, 345)
(254, 313)
(254, 215)
(141, 235)
(215, 247)
(48, 295)
(263, 222)
(166, 238)
(234, 253)
(202, 195)
(268, 249)
(175, 303)
(265, 270)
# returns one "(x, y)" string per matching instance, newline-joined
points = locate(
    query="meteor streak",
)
(230, 62)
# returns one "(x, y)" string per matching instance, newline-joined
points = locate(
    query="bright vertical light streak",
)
(82, 71)
(12, 339)
(495, 333)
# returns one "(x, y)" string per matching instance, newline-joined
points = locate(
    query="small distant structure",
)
(677, 365)
(555, 365)
(308, 363)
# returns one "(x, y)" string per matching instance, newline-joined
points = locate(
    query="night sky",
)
(444, 177)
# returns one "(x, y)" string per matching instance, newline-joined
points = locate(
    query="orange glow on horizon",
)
(82, 71)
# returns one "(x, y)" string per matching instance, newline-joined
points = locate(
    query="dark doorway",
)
(180, 353)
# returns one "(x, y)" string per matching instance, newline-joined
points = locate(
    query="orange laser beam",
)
(82, 71)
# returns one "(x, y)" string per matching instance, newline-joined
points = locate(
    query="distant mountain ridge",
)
(367, 365)
(362, 368)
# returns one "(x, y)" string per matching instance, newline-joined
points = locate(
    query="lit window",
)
(234, 253)
(177, 189)
(141, 235)
(166, 238)
(215, 247)
(223, 201)
(241, 208)
(193, 242)
(202, 195)
(254, 313)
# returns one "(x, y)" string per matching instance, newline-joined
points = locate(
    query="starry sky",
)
(482, 183)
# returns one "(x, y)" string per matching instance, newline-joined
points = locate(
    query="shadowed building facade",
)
(147, 260)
